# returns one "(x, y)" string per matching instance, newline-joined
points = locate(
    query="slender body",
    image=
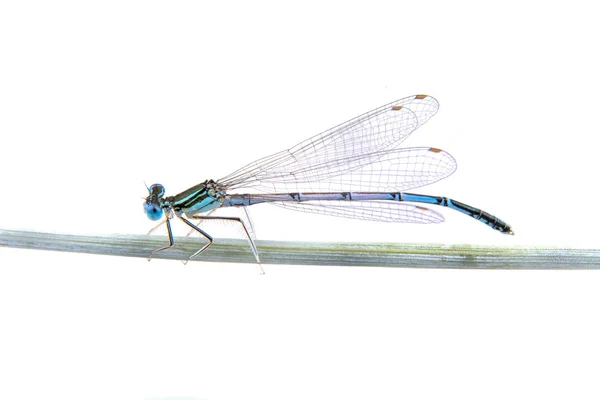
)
(486, 218)
(354, 170)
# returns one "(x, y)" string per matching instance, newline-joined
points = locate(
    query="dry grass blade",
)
(307, 253)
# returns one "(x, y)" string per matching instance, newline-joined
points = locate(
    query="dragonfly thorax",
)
(197, 199)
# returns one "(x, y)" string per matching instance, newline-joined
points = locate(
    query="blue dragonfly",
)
(353, 170)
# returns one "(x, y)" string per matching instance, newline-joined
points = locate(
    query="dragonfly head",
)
(153, 205)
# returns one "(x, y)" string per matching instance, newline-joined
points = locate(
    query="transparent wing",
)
(368, 210)
(345, 148)
(396, 170)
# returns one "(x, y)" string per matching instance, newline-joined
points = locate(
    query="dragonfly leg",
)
(241, 222)
(206, 235)
(198, 224)
(169, 232)
(155, 228)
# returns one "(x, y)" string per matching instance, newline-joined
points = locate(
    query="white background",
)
(96, 98)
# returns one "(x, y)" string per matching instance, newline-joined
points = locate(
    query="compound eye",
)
(153, 211)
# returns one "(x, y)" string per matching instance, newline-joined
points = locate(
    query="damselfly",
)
(353, 170)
